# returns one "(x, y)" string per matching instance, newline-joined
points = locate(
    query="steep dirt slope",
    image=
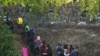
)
(87, 39)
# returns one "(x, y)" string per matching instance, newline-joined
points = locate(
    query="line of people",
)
(67, 50)
(39, 47)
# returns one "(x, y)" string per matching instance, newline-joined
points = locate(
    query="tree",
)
(92, 6)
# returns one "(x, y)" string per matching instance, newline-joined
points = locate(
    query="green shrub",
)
(7, 47)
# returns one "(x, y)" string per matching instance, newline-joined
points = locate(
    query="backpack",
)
(33, 31)
(19, 21)
(59, 50)
(73, 53)
(26, 28)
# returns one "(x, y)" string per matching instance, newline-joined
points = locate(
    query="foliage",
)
(42, 6)
(92, 6)
(6, 42)
(36, 5)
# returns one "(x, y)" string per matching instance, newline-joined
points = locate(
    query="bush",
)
(7, 47)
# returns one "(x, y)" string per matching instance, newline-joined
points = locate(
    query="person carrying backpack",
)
(26, 33)
(59, 50)
(10, 24)
(66, 51)
(73, 52)
(19, 22)
(49, 50)
(32, 34)
(70, 49)
(77, 51)
(31, 40)
(43, 49)
(37, 45)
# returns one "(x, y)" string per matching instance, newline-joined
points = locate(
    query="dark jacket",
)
(49, 51)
